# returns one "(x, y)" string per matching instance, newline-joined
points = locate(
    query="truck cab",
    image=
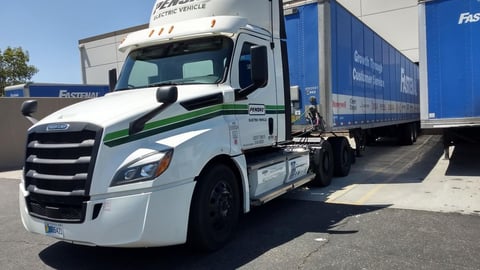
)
(196, 132)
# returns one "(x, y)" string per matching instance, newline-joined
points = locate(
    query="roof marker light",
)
(213, 23)
(161, 31)
(151, 33)
(171, 29)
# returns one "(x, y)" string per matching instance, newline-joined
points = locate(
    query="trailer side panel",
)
(372, 83)
(452, 89)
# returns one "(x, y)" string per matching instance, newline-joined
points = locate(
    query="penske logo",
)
(173, 3)
(256, 109)
(469, 17)
(173, 7)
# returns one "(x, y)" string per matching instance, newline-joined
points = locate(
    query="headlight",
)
(143, 169)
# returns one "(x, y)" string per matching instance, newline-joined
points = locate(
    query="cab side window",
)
(244, 66)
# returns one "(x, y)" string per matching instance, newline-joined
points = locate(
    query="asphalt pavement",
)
(400, 208)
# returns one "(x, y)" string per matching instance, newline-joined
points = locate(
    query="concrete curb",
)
(14, 175)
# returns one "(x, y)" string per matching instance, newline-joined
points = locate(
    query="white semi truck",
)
(197, 131)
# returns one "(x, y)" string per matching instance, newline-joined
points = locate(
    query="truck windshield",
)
(196, 61)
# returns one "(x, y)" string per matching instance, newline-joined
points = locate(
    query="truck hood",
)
(108, 109)
(117, 107)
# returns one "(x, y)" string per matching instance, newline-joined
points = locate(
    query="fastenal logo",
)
(468, 17)
(57, 127)
(407, 84)
(67, 94)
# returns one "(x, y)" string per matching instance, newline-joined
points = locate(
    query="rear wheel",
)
(341, 156)
(415, 131)
(215, 208)
(406, 135)
(323, 165)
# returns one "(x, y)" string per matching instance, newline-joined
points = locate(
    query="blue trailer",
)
(357, 80)
(56, 90)
(450, 100)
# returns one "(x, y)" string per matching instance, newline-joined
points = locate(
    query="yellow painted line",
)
(369, 194)
(340, 193)
(378, 187)
(334, 197)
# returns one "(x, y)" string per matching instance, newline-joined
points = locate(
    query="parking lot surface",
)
(400, 208)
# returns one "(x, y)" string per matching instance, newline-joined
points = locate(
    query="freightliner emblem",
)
(57, 127)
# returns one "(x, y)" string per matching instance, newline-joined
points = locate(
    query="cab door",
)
(256, 113)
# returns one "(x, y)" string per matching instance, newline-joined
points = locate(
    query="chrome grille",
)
(58, 170)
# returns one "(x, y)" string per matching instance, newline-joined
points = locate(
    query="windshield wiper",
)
(167, 83)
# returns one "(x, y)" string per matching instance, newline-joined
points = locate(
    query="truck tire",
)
(323, 165)
(415, 132)
(215, 209)
(342, 160)
(406, 135)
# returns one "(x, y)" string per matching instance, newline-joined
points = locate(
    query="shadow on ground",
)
(465, 161)
(385, 162)
(263, 229)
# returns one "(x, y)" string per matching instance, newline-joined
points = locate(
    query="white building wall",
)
(100, 54)
(395, 20)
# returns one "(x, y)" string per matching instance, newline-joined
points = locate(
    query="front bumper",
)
(155, 218)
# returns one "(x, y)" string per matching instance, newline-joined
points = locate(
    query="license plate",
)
(54, 230)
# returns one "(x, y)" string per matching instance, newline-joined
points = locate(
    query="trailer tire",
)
(406, 135)
(342, 161)
(323, 165)
(415, 132)
(215, 208)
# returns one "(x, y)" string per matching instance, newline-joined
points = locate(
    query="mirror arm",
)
(241, 94)
(139, 124)
(167, 95)
(32, 120)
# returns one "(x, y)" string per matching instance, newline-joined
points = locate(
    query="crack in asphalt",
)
(311, 253)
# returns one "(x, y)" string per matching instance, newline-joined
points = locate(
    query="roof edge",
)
(114, 33)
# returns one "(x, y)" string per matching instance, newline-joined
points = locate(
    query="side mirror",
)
(112, 79)
(167, 94)
(28, 108)
(259, 71)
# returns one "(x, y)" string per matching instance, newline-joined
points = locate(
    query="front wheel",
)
(215, 208)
